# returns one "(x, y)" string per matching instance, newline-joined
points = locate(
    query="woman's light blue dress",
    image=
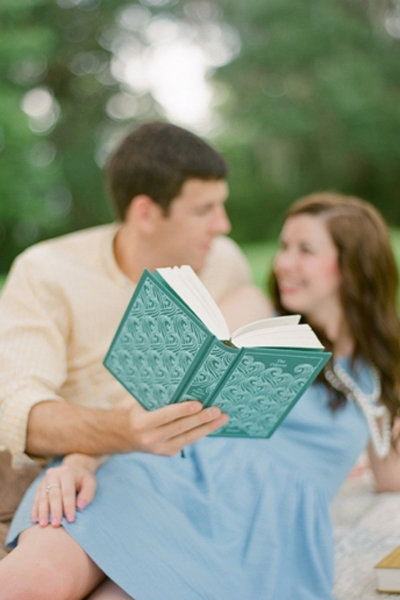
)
(236, 519)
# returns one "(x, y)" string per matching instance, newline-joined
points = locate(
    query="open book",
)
(173, 344)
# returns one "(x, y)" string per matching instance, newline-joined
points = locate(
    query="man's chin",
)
(199, 262)
(197, 265)
(197, 268)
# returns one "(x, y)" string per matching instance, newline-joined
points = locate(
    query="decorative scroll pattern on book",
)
(258, 395)
(156, 347)
(208, 376)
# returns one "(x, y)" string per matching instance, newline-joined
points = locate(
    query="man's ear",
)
(144, 213)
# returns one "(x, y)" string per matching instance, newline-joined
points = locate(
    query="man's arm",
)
(56, 428)
(34, 329)
(245, 304)
(60, 428)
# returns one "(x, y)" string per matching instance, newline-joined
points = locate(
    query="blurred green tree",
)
(56, 81)
(313, 102)
(310, 101)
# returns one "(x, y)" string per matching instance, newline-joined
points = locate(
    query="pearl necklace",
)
(341, 381)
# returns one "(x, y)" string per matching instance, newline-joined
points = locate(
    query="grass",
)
(395, 236)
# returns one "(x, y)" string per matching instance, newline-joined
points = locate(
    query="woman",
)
(244, 518)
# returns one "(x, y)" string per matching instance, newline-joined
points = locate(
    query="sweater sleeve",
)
(33, 348)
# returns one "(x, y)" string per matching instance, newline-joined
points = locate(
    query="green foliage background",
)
(310, 101)
(314, 104)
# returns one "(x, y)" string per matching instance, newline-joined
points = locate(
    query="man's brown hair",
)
(156, 159)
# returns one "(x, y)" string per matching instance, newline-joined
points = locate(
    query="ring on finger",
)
(51, 485)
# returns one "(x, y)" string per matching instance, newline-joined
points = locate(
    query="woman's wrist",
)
(84, 461)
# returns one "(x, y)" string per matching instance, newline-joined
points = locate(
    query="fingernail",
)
(55, 522)
(34, 520)
(69, 518)
(43, 522)
(81, 504)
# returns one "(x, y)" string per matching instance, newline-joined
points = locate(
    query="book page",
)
(190, 288)
(283, 331)
(294, 336)
(262, 324)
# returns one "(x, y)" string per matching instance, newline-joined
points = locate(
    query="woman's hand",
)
(64, 489)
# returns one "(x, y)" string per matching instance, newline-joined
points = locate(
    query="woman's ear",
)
(144, 213)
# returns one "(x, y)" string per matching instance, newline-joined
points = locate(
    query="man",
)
(65, 297)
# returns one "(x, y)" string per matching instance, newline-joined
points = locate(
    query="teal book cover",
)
(163, 352)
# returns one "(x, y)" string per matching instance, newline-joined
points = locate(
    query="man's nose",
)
(220, 221)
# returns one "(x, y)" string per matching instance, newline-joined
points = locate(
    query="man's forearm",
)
(56, 428)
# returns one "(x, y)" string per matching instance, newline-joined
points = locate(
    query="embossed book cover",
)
(163, 352)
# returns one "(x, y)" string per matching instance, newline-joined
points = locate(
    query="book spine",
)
(210, 372)
(230, 369)
(180, 392)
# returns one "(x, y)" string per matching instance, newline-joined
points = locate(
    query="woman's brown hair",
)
(369, 283)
